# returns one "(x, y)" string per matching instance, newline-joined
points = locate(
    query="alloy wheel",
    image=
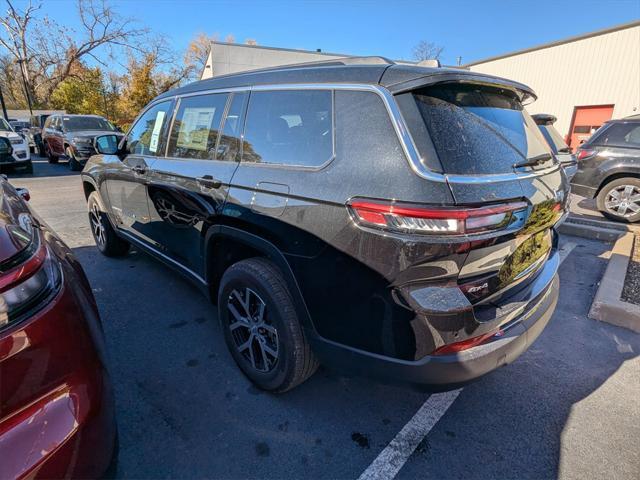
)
(254, 337)
(623, 200)
(97, 226)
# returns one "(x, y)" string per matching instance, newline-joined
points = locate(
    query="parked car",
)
(57, 415)
(35, 133)
(609, 169)
(559, 147)
(19, 126)
(72, 136)
(20, 160)
(386, 219)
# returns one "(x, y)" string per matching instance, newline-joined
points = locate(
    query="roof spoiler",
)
(525, 93)
(544, 118)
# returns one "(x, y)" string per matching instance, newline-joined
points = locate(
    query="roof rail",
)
(373, 60)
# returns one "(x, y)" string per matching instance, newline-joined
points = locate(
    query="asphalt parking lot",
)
(567, 408)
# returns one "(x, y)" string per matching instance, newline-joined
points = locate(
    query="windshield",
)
(73, 124)
(4, 126)
(554, 139)
(478, 129)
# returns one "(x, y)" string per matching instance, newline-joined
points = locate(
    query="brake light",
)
(26, 286)
(466, 344)
(586, 153)
(433, 220)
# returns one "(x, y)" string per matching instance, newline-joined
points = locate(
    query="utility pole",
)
(459, 61)
(24, 82)
(4, 107)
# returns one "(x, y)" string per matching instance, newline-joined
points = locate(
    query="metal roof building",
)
(583, 80)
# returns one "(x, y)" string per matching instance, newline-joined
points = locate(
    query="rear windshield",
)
(86, 123)
(554, 139)
(479, 129)
(618, 134)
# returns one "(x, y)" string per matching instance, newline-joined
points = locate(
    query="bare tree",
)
(195, 58)
(427, 51)
(250, 41)
(230, 38)
(47, 52)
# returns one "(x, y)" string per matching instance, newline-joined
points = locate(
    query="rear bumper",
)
(58, 415)
(449, 371)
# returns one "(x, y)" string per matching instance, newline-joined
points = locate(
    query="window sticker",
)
(155, 134)
(195, 127)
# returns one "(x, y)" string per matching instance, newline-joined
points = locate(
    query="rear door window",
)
(619, 134)
(479, 129)
(229, 143)
(289, 127)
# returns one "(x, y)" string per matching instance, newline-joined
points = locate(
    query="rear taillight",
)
(28, 285)
(433, 220)
(466, 344)
(586, 153)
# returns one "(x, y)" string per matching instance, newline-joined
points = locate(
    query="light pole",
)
(4, 107)
(24, 82)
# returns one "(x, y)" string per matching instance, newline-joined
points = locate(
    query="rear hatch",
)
(491, 151)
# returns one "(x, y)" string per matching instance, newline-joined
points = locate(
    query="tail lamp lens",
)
(433, 220)
(29, 285)
(466, 344)
(586, 153)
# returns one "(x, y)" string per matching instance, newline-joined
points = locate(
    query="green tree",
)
(83, 93)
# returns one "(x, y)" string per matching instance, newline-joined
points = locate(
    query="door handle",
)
(208, 181)
(139, 169)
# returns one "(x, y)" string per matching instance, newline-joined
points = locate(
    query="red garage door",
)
(587, 120)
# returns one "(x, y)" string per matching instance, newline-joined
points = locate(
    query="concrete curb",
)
(607, 305)
(589, 231)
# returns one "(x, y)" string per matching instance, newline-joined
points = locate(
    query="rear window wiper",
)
(533, 161)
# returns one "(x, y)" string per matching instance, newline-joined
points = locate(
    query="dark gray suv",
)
(391, 220)
(609, 169)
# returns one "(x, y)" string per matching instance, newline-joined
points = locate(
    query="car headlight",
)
(30, 283)
(82, 141)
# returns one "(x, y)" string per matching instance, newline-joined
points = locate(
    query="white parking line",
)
(394, 456)
(389, 462)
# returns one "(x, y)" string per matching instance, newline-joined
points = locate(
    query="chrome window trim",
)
(402, 131)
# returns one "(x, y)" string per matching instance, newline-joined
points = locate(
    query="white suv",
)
(21, 159)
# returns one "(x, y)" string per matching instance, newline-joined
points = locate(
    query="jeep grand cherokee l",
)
(72, 136)
(393, 220)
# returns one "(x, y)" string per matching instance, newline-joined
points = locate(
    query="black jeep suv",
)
(609, 169)
(393, 220)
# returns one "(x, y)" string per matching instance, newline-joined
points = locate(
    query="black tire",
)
(626, 188)
(50, 156)
(29, 168)
(103, 233)
(294, 362)
(74, 165)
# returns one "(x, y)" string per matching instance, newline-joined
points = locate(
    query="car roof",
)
(369, 70)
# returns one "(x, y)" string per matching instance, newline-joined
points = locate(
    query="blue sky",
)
(472, 30)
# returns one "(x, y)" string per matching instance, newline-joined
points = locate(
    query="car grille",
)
(16, 141)
(21, 154)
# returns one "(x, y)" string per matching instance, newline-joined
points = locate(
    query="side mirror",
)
(106, 144)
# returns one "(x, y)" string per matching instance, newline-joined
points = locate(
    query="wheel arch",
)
(227, 245)
(615, 175)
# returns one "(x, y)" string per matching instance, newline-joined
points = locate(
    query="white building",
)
(583, 81)
(225, 58)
